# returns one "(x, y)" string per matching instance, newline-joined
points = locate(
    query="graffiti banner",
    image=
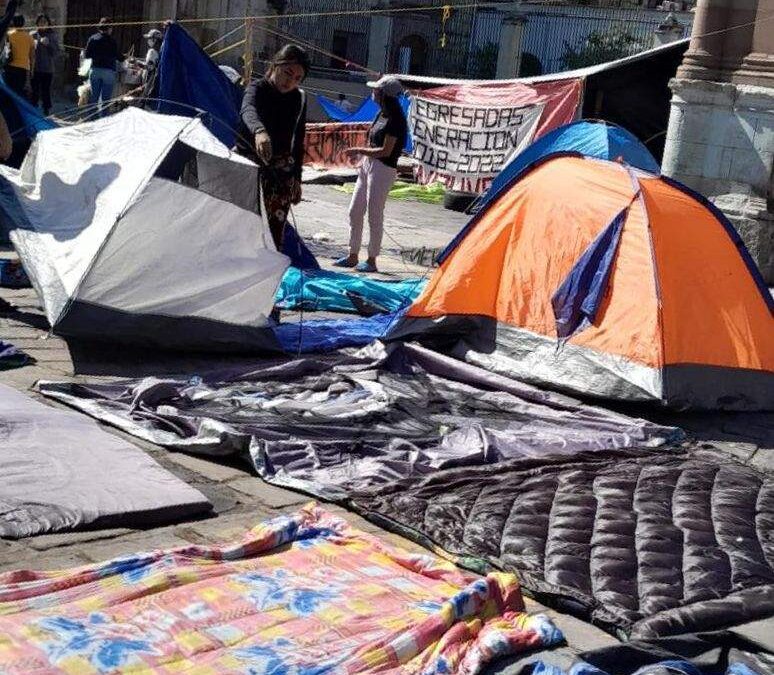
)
(465, 146)
(465, 133)
(325, 143)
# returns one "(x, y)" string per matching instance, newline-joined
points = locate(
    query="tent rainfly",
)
(139, 228)
(597, 278)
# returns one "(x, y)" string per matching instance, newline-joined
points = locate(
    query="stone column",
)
(758, 66)
(509, 54)
(715, 52)
(720, 139)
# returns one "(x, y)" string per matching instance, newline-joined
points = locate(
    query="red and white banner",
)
(464, 135)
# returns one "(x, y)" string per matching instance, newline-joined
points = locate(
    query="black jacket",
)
(102, 49)
(282, 116)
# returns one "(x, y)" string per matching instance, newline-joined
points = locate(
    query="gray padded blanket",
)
(651, 545)
(60, 471)
(330, 425)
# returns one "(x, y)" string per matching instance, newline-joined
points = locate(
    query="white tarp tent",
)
(141, 228)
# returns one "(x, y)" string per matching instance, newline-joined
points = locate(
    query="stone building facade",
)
(720, 139)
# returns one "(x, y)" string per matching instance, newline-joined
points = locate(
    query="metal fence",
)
(563, 38)
(344, 36)
(422, 42)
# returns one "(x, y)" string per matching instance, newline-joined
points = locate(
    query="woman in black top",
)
(376, 174)
(273, 127)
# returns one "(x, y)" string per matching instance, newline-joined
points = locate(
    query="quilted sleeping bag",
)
(644, 544)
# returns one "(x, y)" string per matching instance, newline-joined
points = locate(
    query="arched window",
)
(412, 55)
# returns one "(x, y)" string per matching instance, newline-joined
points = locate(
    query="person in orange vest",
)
(22, 56)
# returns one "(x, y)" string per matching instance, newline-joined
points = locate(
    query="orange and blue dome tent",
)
(593, 277)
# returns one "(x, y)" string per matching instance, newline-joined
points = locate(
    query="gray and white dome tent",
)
(119, 248)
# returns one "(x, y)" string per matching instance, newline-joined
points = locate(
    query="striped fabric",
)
(300, 595)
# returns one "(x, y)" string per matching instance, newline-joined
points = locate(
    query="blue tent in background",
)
(590, 138)
(367, 112)
(188, 80)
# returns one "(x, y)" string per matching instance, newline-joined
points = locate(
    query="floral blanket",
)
(301, 595)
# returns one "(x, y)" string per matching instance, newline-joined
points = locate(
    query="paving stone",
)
(224, 529)
(763, 460)
(270, 495)
(743, 451)
(11, 551)
(122, 546)
(222, 497)
(353, 519)
(43, 563)
(48, 541)
(213, 469)
(579, 633)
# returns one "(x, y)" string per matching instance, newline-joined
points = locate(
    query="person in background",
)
(103, 52)
(273, 125)
(345, 105)
(46, 50)
(150, 64)
(376, 173)
(6, 140)
(21, 60)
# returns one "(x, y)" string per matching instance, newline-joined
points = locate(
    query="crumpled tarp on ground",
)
(301, 594)
(60, 471)
(325, 291)
(315, 336)
(11, 356)
(652, 545)
(714, 653)
(330, 425)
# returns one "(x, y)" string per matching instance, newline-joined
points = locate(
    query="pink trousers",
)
(374, 180)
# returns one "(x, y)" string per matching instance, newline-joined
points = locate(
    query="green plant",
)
(599, 47)
(484, 61)
(530, 65)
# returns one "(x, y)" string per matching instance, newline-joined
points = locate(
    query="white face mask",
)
(151, 42)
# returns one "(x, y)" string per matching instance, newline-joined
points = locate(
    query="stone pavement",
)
(240, 498)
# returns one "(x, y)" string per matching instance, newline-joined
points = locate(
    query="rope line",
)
(275, 17)
(223, 37)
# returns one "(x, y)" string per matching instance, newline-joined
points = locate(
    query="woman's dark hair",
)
(291, 54)
(43, 17)
(391, 106)
(18, 21)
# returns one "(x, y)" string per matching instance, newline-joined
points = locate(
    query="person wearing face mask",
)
(377, 172)
(46, 50)
(150, 63)
(273, 124)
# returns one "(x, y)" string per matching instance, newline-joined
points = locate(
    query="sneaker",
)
(366, 266)
(344, 262)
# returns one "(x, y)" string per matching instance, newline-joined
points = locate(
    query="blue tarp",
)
(298, 252)
(22, 118)
(590, 138)
(321, 290)
(327, 335)
(577, 301)
(11, 357)
(367, 112)
(188, 80)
